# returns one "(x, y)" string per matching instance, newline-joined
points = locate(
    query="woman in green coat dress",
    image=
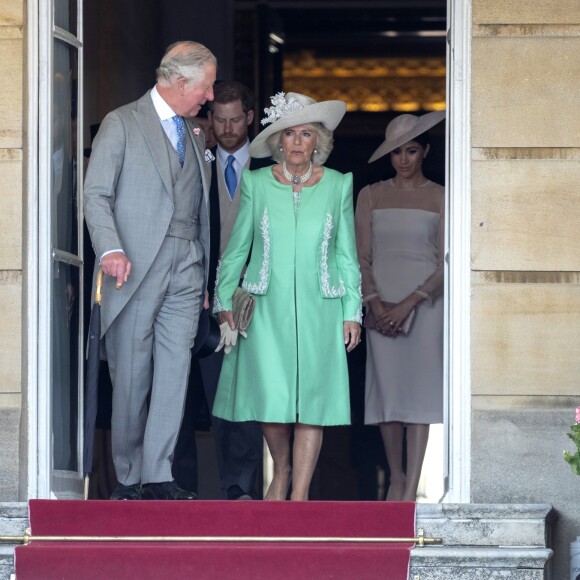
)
(296, 223)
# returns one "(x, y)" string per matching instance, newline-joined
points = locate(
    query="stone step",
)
(507, 541)
(469, 563)
(6, 561)
(13, 518)
(13, 522)
(516, 525)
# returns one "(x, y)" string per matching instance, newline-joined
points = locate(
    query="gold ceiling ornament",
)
(369, 84)
(305, 63)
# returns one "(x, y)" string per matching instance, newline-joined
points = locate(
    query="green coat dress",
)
(304, 274)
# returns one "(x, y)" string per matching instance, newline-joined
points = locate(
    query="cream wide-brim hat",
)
(405, 128)
(297, 109)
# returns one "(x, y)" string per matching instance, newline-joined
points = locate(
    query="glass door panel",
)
(64, 139)
(65, 15)
(66, 270)
(65, 366)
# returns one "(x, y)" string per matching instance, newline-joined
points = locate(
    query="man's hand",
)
(117, 265)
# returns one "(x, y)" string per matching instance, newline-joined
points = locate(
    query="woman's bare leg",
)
(278, 437)
(417, 437)
(307, 444)
(392, 434)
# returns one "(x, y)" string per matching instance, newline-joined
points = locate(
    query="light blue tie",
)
(230, 175)
(180, 138)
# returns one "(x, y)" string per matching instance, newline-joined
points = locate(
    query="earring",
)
(280, 147)
(315, 150)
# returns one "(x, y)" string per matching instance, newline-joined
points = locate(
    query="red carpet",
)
(43, 560)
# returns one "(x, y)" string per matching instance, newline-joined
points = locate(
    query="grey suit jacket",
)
(128, 195)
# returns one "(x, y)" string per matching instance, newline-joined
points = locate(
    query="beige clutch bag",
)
(243, 304)
(405, 327)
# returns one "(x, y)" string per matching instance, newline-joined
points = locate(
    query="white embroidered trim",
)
(217, 306)
(262, 285)
(328, 291)
(359, 311)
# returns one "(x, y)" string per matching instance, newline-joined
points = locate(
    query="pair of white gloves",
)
(229, 337)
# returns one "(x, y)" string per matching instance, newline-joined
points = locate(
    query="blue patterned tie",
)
(230, 175)
(180, 138)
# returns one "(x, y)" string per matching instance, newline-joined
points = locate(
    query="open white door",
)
(59, 262)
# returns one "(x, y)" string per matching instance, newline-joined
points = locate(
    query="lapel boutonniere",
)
(209, 156)
(196, 131)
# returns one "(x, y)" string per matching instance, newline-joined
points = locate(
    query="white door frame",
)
(38, 268)
(458, 239)
(36, 417)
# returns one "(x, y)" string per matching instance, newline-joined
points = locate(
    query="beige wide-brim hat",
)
(405, 128)
(295, 109)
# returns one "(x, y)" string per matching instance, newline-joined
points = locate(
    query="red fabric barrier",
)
(212, 560)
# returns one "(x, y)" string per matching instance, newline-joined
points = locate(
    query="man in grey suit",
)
(238, 445)
(146, 207)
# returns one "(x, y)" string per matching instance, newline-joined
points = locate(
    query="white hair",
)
(186, 59)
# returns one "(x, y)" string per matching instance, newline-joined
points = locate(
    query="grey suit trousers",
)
(148, 349)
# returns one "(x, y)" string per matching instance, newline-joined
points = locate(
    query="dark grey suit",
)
(135, 190)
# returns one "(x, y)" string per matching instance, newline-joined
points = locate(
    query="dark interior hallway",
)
(382, 57)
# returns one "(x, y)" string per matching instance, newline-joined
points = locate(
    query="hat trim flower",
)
(281, 107)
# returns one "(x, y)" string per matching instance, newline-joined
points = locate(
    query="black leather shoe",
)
(127, 491)
(166, 490)
(236, 492)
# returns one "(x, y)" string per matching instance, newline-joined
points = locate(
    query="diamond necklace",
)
(296, 179)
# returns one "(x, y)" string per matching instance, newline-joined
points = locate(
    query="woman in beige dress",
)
(400, 239)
